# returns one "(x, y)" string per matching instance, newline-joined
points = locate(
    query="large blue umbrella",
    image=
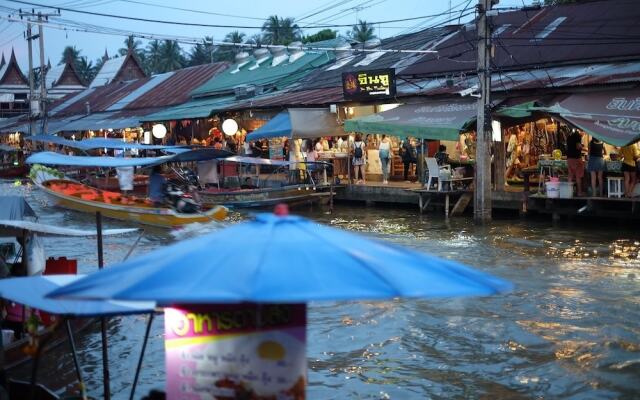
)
(281, 259)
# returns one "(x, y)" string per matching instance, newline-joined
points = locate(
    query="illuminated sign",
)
(372, 84)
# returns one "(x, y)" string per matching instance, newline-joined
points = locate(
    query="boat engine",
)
(180, 201)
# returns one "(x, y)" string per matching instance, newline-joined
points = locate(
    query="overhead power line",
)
(191, 10)
(161, 21)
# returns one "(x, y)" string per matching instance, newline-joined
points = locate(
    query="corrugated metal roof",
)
(197, 108)
(277, 76)
(178, 87)
(590, 31)
(108, 71)
(149, 85)
(299, 98)
(100, 98)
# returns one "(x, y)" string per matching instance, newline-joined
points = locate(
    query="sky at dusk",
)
(249, 13)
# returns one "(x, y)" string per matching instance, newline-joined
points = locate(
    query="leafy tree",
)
(86, 69)
(153, 57)
(171, 57)
(277, 30)
(228, 53)
(130, 43)
(70, 53)
(362, 31)
(202, 53)
(256, 40)
(325, 34)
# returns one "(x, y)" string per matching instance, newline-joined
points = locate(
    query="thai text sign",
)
(236, 351)
(366, 85)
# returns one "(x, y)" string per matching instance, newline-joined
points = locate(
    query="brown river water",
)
(570, 329)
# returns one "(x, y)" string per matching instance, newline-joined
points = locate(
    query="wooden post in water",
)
(482, 200)
(103, 320)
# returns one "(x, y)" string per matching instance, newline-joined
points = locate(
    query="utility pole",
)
(41, 19)
(43, 71)
(482, 198)
(31, 81)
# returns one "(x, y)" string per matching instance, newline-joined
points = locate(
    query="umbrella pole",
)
(103, 320)
(139, 366)
(74, 353)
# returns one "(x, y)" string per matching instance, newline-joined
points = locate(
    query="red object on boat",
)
(281, 210)
(61, 266)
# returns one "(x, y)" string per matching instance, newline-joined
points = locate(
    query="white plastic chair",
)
(434, 171)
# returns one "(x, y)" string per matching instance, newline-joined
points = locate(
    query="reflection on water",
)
(569, 330)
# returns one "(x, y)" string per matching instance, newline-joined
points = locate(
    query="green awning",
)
(433, 120)
(199, 108)
(523, 110)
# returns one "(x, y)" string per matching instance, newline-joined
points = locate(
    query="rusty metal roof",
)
(579, 33)
(172, 90)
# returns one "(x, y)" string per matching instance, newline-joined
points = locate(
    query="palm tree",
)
(70, 53)
(131, 43)
(202, 53)
(86, 69)
(256, 40)
(153, 57)
(171, 57)
(277, 30)
(362, 31)
(235, 37)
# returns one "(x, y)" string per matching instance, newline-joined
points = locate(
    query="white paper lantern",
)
(229, 127)
(159, 131)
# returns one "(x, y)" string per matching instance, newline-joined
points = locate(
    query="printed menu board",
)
(236, 351)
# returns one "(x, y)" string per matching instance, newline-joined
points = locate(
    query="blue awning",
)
(51, 158)
(98, 143)
(278, 126)
(31, 291)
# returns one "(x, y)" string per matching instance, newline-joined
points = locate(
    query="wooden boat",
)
(77, 196)
(264, 197)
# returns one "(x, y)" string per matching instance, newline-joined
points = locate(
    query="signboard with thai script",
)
(611, 116)
(236, 351)
(368, 85)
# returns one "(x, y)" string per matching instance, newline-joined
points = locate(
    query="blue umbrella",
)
(281, 259)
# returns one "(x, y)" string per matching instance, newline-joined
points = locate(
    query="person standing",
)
(408, 154)
(359, 158)
(384, 151)
(156, 186)
(630, 156)
(575, 163)
(596, 165)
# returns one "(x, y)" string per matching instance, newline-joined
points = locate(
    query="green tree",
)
(361, 32)
(171, 57)
(130, 43)
(256, 40)
(202, 53)
(85, 69)
(277, 30)
(70, 53)
(226, 52)
(153, 57)
(325, 34)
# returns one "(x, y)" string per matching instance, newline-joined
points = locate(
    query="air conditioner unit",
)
(247, 91)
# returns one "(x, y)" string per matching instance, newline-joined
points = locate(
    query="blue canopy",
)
(285, 259)
(51, 158)
(15, 208)
(32, 291)
(203, 154)
(278, 126)
(97, 143)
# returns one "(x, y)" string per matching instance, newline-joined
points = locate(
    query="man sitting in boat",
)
(156, 186)
(248, 184)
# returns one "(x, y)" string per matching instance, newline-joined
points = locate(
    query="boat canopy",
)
(16, 227)
(15, 208)
(8, 149)
(51, 158)
(99, 143)
(257, 161)
(202, 154)
(33, 290)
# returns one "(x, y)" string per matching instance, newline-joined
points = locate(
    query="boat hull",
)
(161, 217)
(295, 194)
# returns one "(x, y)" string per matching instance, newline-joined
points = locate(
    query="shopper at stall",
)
(156, 186)
(575, 164)
(442, 158)
(596, 165)
(359, 152)
(384, 151)
(630, 156)
(409, 156)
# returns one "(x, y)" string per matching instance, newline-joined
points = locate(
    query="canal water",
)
(571, 328)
